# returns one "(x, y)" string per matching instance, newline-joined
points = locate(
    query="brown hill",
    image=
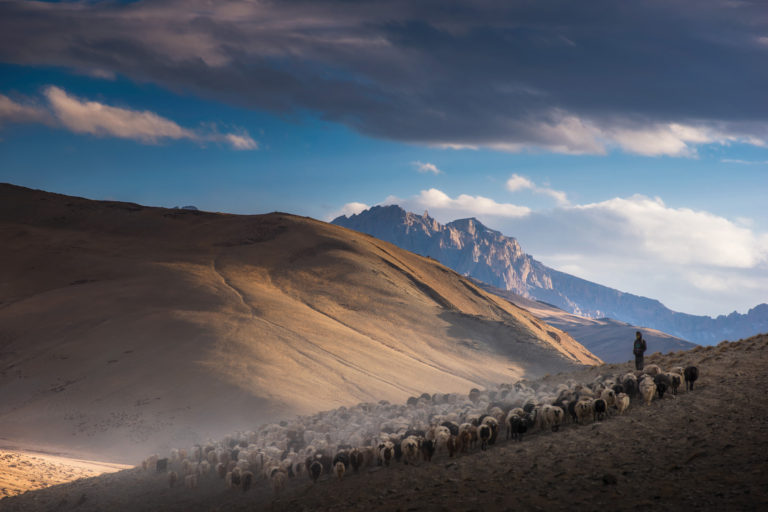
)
(699, 450)
(125, 328)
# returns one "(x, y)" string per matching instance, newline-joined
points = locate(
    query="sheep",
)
(622, 402)
(149, 462)
(498, 413)
(441, 436)
(583, 409)
(232, 480)
(221, 470)
(315, 469)
(452, 445)
(630, 384)
(518, 425)
(556, 417)
(339, 469)
(652, 370)
(691, 375)
(452, 427)
(599, 408)
(427, 449)
(484, 433)
(493, 424)
(356, 459)
(161, 465)
(172, 478)
(647, 390)
(609, 395)
(342, 457)
(410, 447)
(675, 379)
(467, 436)
(663, 382)
(246, 480)
(386, 452)
(278, 481)
(190, 481)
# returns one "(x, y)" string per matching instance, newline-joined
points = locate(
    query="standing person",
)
(639, 349)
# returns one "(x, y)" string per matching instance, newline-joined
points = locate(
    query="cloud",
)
(101, 120)
(16, 112)
(437, 201)
(425, 167)
(694, 261)
(347, 210)
(241, 141)
(655, 79)
(743, 162)
(682, 236)
(517, 182)
(91, 117)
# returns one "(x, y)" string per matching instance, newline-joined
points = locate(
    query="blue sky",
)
(623, 143)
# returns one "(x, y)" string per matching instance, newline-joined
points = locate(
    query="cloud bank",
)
(655, 78)
(101, 120)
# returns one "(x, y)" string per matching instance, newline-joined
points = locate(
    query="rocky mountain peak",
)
(471, 248)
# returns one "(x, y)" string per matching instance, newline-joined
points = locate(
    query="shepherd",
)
(639, 349)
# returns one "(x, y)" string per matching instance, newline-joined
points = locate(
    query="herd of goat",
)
(335, 442)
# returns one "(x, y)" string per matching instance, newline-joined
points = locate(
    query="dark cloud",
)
(567, 76)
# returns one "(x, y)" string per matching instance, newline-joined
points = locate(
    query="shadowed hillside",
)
(608, 339)
(124, 326)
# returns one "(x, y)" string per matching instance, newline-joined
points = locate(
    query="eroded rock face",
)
(472, 249)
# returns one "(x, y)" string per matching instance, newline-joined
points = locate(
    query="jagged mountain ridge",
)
(472, 249)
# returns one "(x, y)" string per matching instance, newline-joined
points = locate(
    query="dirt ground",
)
(24, 470)
(702, 450)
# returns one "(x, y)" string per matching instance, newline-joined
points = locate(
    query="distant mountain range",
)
(472, 249)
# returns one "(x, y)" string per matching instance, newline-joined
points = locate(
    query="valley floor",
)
(702, 450)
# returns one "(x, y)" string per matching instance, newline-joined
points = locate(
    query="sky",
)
(622, 142)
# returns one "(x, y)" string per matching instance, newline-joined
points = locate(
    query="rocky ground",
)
(702, 450)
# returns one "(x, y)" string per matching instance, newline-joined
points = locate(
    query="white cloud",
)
(743, 162)
(517, 182)
(15, 112)
(242, 141)
(440, 203)
(99, 119)
(693, 261)
(683, 236)
(565, 133)
(424, 167)
(347, 210)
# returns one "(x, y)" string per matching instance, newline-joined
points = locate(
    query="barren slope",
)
(125, 329)
(700, 450)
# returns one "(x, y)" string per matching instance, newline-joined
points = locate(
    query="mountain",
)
(472, 249)
(125, 329)
(608, 339)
